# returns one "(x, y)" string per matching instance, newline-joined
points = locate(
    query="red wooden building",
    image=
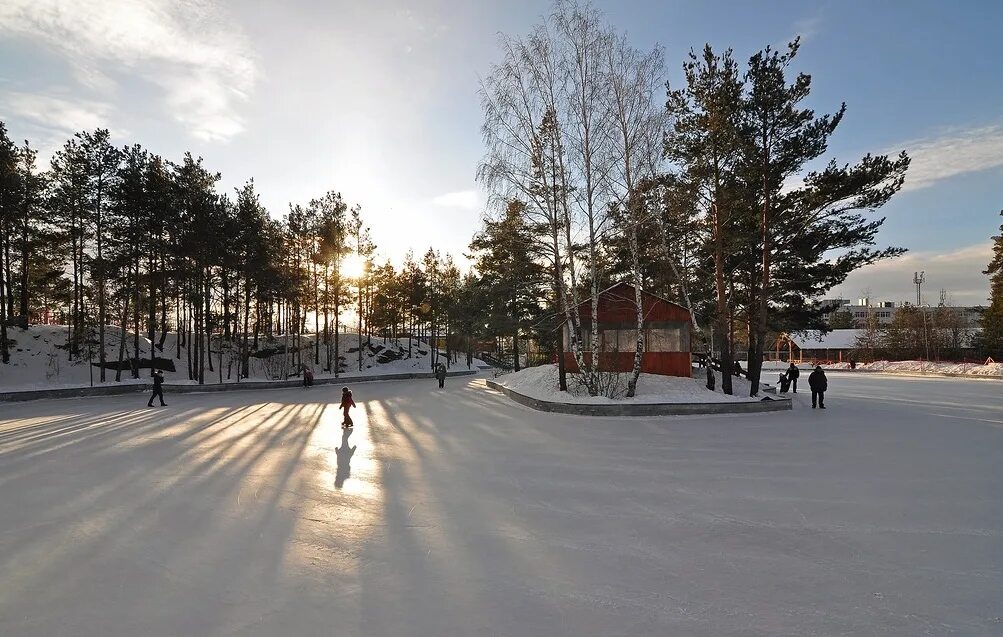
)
(666, 333)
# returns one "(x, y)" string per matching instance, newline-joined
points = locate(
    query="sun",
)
(353, 266)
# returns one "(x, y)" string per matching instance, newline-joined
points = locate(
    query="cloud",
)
(463, 199)
(955, 152)
(191, 50)
(55, 112)
(806, 28)
(958, 272)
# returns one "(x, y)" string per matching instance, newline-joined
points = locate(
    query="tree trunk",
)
(722, 302)
(639, 344)
(122, 338)
(4, 344)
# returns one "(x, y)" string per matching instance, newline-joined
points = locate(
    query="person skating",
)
(792, 374)
(158, 389)
(440, 374)
(818, 384)
(347, 402)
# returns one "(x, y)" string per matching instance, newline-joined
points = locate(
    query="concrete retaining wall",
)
(135, 388)
(642, 409)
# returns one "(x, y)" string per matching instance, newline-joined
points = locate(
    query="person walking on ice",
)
(792, 375)
(347, 402)
(818, 383)
(440, 374)
(158, 388)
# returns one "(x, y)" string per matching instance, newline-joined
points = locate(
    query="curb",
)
(644, 409)
(137, 388)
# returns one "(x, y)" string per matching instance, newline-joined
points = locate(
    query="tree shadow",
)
(157, 517)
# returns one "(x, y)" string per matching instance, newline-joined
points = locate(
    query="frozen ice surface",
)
(458, 512)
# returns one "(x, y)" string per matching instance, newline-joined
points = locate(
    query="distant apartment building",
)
(884, 311)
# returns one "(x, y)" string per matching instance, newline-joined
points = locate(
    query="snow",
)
(542, 383)
(39, 360)
(936, 367)
(459, 512)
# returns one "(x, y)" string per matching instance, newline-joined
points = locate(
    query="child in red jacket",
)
(346, 404)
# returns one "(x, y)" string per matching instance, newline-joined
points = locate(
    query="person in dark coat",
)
(792, 375)
(710, 378)
(440, 374)
(347, 402)
(307, 377)
(158, 389)
(785, 383)
(818, 384)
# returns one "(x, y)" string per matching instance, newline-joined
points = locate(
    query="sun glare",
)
(353, 266)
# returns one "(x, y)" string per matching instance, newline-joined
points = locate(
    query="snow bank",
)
(542, 383)
(969, 369)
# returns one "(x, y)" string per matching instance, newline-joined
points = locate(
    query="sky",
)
(378, 100)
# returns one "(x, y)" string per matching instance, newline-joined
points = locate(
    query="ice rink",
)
(459, 513)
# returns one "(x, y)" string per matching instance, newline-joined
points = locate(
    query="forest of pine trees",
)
(118, 237)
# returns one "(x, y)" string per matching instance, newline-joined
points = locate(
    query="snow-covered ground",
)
(542, 383)
(973, 369)
(458, 512)
(39, 360)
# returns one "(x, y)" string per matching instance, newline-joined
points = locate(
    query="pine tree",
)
(510, 276)
(797, 229)
(102, 164)
(9, 192)
(991, 340)
(706, 143)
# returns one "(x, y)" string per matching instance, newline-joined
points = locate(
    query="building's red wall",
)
(664, 363)
(616, 306)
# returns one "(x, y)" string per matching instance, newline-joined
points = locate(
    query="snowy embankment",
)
(990, 370)
(541, 383)
(39, 359)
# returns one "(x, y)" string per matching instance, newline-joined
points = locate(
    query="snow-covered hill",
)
(39, 359)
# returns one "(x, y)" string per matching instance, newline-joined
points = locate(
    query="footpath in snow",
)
(541, 383)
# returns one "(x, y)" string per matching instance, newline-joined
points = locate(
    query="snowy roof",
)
(834, 339)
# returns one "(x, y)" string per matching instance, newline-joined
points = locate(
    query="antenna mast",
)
(918, 278)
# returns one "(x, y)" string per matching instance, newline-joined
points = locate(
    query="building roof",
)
(631, 296)
(833, 339)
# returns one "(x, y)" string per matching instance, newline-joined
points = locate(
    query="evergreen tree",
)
(9, 192)
(706, 142)
(511, 278)
(797, 229)
(101, 165)
(69, 207)
(991, 340)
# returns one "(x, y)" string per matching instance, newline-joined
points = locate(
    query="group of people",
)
(817, 383)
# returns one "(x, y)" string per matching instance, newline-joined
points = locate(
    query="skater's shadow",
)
(345, 454)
